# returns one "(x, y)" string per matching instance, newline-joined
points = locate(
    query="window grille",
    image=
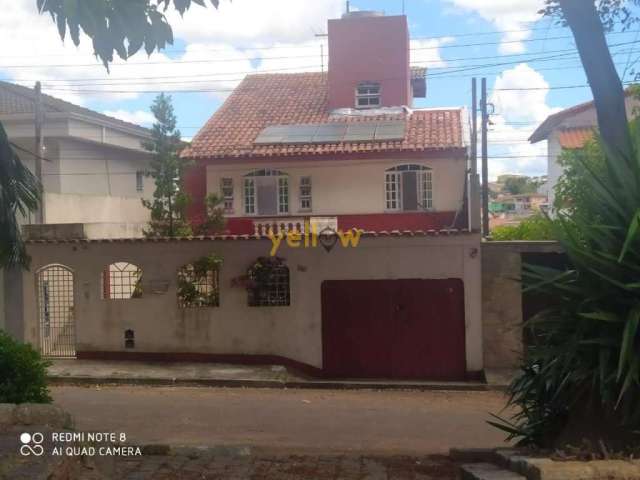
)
(227, 194)
(305, 193)
(249, 196)
(283, 195)
(121, 280)
(368, 95)
(270, 286)
(139, 181)
(392, 189)
(198, 287)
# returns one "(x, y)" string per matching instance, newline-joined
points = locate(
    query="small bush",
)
(23, 373)
(535, 227)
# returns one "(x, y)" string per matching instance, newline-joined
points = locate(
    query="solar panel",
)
(390, 131)
(360, 132)
(300, 133)
(330, 133)
(274, 134)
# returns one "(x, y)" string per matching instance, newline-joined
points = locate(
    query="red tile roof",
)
(301, 98)
(553, 121)
(575, 137)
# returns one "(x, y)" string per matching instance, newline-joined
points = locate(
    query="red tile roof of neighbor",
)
(575, 137)
(302, 98)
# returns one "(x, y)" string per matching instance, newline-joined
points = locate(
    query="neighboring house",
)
(342, 149)
(570, 129)
(93, 165)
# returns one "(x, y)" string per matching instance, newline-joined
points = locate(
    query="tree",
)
(588, 21)
(516, 185)
(168, 207)
(19, 194)
(580, 375)
(120, 26)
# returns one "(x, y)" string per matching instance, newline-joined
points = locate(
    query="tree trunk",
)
(608, 93)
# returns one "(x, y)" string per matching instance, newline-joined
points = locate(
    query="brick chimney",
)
(369, 61)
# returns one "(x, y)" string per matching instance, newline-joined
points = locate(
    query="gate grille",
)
(56, 311)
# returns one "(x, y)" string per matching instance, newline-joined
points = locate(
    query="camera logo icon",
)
(31, 444)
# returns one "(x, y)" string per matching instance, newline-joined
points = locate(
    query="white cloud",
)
(256, 21)
(520, 100)
(509, 16)
(222, 45)
(426, 52)
(140, 117)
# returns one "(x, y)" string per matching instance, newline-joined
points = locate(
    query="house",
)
(93, 165)
(570, 129)
(343, 148)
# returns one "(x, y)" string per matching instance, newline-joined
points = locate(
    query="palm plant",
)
(19, 194)
(581, 371)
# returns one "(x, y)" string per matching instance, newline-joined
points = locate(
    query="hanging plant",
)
(198, 283)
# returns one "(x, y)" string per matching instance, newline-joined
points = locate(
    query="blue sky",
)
(526, 59)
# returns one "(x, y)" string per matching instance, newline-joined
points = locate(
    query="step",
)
(487, 471)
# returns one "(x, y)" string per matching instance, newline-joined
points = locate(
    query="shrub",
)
(581, 373)
(23, 373)
(535, 227)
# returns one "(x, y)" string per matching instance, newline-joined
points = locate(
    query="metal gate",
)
(394, 329)
(56, 311)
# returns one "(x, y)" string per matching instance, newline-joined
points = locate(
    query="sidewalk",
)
(94, 372)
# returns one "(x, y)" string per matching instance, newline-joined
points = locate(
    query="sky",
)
(530, 62)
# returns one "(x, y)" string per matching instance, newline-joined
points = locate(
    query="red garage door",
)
(394, 329)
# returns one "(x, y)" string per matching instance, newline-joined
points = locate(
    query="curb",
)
(279, 384)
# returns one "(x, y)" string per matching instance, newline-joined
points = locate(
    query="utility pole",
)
(474, 182)
(485, 161)
(39, 150)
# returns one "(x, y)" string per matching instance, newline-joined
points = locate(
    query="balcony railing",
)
(285, 225)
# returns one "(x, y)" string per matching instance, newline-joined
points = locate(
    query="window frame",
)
(424, 187)
(276, 294)
(250, 193)
(227, 197)
(139, 181)
(305, 197)
(368, 95)
(114, 286)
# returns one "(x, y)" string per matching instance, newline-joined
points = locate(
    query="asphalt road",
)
(305, 421)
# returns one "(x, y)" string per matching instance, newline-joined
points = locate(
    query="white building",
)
(93, 165)
(569, 129)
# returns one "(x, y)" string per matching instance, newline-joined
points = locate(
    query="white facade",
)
(343, 187)
(92, 170)
(585, 118)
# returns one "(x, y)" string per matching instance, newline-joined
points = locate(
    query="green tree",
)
(117, 26)
(581, 373)
(517, 185)
(169, 204)
(120, 26)
(19, 194)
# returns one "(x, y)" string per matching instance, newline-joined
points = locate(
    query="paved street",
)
(288, 468)
(289, 421)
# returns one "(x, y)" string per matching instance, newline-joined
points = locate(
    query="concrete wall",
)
(502, 316)
(68, 208)
(233, 327)
(346, 187)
